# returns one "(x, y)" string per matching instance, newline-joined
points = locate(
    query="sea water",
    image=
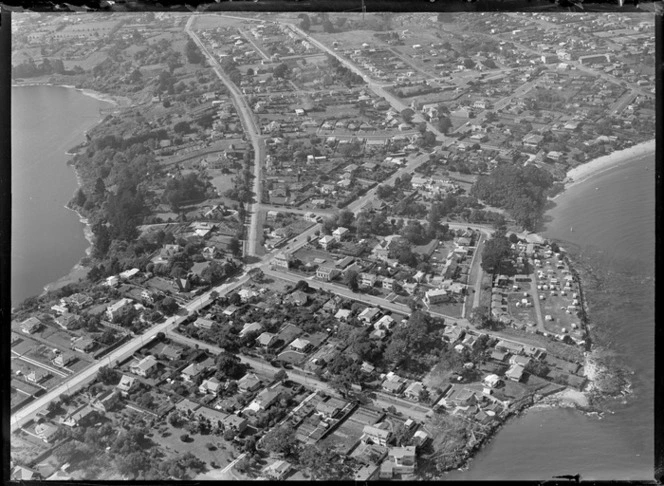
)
(607, 223)
(47, 239)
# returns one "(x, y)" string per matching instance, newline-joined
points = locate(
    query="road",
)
(382, 400)
(251, 129)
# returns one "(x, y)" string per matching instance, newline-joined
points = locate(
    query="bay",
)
(47, 239)
(607, 223)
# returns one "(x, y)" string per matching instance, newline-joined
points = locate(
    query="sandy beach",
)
(606, 162)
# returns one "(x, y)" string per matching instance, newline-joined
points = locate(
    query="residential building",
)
(327, 273)
(67, 320)
(326, 241)
(277, 470)
(369, 315)
(249, 382)
(266, 340)
(367, 279)
(340, 233)
(144, 367)
(283, 260)
(83, 344)
(126, 384)
(119, 309)
(210, 385)
(413, 390)
(376, 435)
(515, 373)
(301, 345)
(31, 325)
(436, 296)
(193, 371)
(403, 459)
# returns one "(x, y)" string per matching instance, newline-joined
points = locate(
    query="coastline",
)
(601, 164)
(116, 101)
(79, 271)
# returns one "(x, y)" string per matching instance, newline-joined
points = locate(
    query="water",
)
(47, 238)
(614, 239)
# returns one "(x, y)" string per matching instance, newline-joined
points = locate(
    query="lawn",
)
(24, 448)
(168, 438)
(221, 182)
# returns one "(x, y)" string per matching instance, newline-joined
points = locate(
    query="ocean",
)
(47, 239)
(607, 224)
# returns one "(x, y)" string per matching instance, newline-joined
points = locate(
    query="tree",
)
(444, 124)
(281, 440)
(305, 22)
(480, 317)
(407, 115)
(324, 463)
(328, 27)
(182, 127)
(345, 218)
(281, 71)
(495, 251)
(108, 376)
(234, 246)
(351, 278)
(168, 305)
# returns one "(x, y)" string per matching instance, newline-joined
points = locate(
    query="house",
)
(209, 252)
(210, 385)
(388, 283)
(509, 346)
(340, 233)
(266, 340)
(126, 384)
(21, 473)
(403, 459)
(235, 423)
(368, 472)
(301, 345)
(533, 141)
(519, 360)
(453, 333)
(230, 310)
(63, 359)
(367, 279)
(498, 355)
(119, 309)
(144, 367)
(299, 298)
(67, 320)
(369, 314)
(376, 435)
(202, 323)
(515, 373)
(283, 260)
(249, 382)
(193, 371)
(409, 287)
(37, 376)
(331, 407)
(384, 322)
(420, 438)
(436, 296)
(251, 327)
(104, 401)
(492, 380)
(327, 273)
(76, 301)
(79, 416)
(31, 325)
(45, 431)
(413, 390)
(326, 241)
(265, 399)
(393, 383)
(277, 470)
(83, 344)
(342, 314)
(127, 274)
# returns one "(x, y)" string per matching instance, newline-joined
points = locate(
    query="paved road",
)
(252, 129)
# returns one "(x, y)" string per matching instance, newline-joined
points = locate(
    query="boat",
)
(571, 228)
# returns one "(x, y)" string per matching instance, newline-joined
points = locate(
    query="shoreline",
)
(116, 101)
(604, 163)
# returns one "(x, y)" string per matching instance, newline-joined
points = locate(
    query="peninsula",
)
(314, 250)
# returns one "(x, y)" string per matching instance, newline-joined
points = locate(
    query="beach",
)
(606, 162)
